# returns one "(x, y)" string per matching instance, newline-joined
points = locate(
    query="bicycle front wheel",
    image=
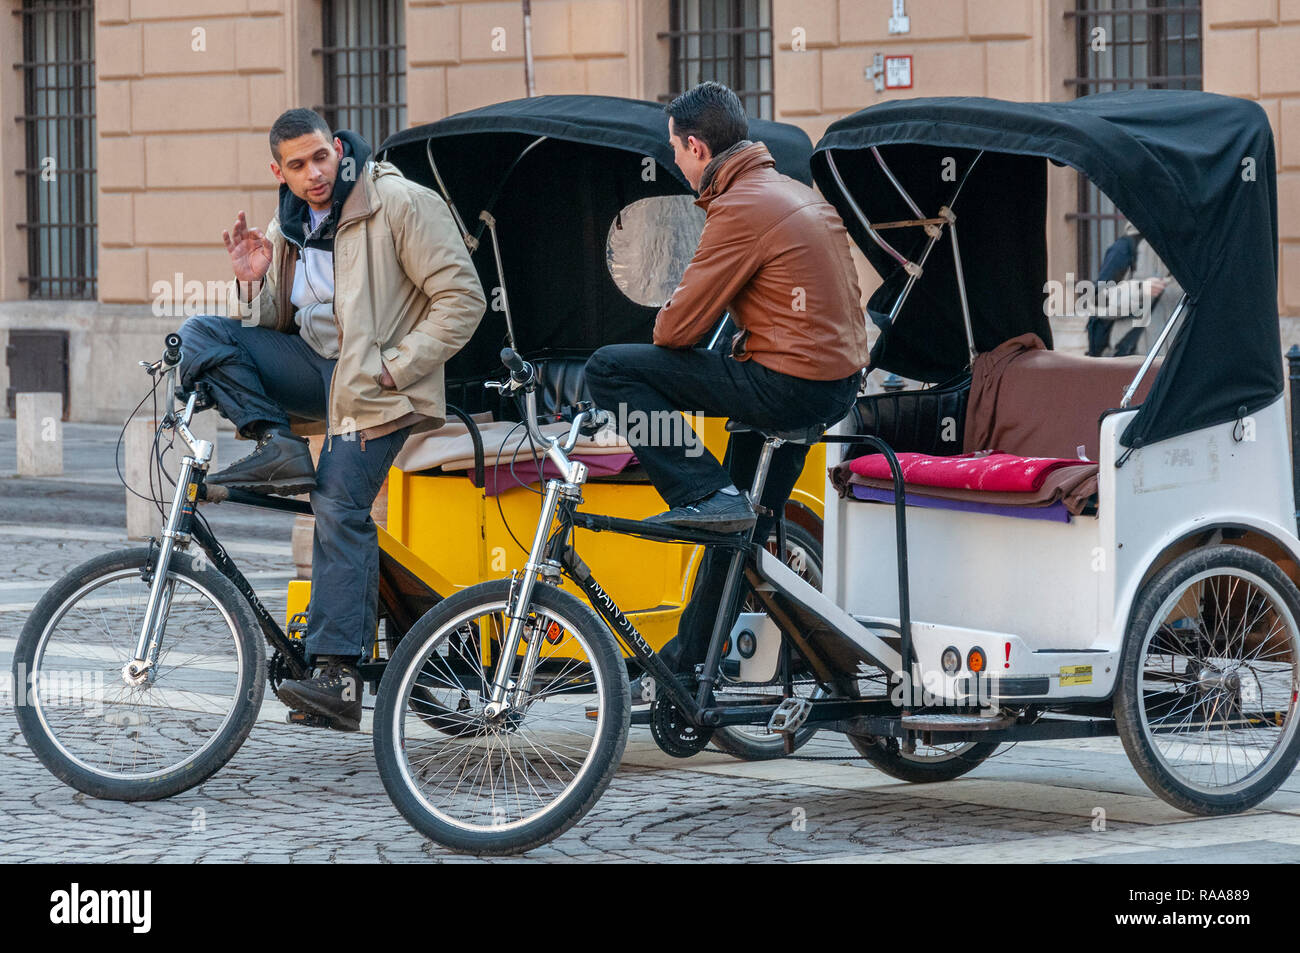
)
(125, 742)
(507, 784)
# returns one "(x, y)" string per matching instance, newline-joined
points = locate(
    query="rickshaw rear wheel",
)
(930, 763)
(1206, 699)
(755, 742)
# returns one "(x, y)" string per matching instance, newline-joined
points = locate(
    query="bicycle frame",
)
(551, 554)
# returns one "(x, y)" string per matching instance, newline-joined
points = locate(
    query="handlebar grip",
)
(172, 354)
(520, 372)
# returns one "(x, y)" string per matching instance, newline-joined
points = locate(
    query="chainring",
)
(278, 672)
(673, 731)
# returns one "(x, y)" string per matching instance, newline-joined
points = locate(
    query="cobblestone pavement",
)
(308, 795)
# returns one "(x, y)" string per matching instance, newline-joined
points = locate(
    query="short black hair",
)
(297, 122)
(712, 114)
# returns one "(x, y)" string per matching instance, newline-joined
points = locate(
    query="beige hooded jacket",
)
(406, 297)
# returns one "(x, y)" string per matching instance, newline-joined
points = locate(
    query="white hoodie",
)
(313, 295)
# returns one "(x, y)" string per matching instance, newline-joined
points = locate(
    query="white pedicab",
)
(1114, 568)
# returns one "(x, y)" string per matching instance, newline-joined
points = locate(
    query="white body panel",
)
(1059, 594)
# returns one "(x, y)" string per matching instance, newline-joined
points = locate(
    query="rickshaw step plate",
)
(940, 721)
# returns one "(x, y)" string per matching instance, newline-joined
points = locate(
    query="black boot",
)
(334, 693)
(280, 463)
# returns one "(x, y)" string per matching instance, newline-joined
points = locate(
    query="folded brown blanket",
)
(1073, 486)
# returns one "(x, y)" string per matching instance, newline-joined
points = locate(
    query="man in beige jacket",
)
(345, 312)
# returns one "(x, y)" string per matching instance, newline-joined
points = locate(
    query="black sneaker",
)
(719, 513)
(333, 693)
(280, 463)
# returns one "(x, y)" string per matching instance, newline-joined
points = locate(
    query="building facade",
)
(139, 126)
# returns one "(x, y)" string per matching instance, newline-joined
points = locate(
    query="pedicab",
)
(1031, 546)
(145, 669)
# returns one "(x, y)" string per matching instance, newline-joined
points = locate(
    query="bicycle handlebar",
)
(524, 377)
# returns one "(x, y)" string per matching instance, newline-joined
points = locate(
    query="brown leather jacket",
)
(777, 257)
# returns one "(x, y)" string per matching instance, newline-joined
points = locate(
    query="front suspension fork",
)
(137, 670)
(517, 612)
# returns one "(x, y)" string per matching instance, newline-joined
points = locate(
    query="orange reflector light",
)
(975, 660)
(554, 633)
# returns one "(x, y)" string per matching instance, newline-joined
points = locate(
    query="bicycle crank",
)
(673, 731)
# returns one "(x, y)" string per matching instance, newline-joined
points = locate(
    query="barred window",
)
(363, 55)
(58, 125)
(1128, 44)
(729, 41)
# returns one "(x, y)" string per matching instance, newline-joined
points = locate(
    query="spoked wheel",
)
(485, 785)
(755, 742)
(432, 709)
(928, 763)
(1206, 701)
(127, 742)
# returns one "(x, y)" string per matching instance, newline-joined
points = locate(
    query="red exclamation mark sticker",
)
(1008, 651)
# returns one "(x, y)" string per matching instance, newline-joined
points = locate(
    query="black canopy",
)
(555, 206)
(1193, 171)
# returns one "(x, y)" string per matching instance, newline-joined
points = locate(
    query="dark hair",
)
(712, 114)
(297, 122)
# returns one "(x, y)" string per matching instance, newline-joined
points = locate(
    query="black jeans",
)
(260, 374)
(645, 378)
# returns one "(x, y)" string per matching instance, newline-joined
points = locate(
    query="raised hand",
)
(249, 249)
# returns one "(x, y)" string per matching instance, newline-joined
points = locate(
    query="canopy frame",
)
(489, 221)
(470, 241)
(933, 229)
(1194, 172)
(1166, 333)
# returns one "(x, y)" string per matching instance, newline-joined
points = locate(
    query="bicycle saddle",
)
(803, 435)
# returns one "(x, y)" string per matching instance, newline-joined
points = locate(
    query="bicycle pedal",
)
(310, 720)
(789, 715)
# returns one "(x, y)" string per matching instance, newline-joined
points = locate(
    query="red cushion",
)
(994, 471)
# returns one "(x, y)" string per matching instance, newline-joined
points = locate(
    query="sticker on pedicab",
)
(1180, 464)
(1076, 675)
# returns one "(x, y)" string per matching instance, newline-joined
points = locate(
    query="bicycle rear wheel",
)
(500, 785)
(121, 742)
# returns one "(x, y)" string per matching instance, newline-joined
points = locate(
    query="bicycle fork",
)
(137, 670)
(505, 693)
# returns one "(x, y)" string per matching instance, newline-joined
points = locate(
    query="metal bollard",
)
(40, 434)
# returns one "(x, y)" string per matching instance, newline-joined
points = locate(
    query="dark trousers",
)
(645, 378)
(262, 375)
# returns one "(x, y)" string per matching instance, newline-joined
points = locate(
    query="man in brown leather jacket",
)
(776, 258)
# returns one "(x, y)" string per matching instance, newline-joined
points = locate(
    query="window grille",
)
(58, 126)
(363, 56)
(729, 41)
(1127, 44)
